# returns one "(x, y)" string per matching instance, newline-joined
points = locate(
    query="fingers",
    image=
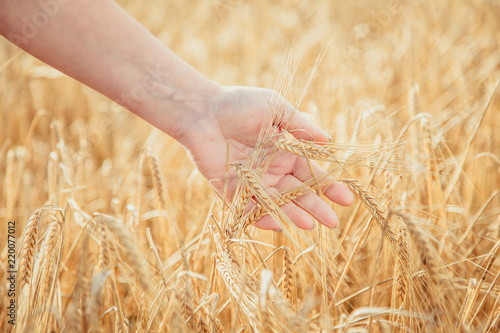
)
(336, 192)
(339, 193)
(300, 126)
(297, 215)
(310, 203)
(301, 210)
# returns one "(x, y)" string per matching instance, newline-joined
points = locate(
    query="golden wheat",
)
(28, 248)
(115, 232)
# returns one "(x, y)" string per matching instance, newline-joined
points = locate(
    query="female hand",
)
(236, 115)
(164, 90)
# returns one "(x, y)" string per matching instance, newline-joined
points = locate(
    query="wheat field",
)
(115, 230)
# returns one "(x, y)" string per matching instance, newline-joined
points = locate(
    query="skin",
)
(100, 45)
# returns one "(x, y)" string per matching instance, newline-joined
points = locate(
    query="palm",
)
(239, 117)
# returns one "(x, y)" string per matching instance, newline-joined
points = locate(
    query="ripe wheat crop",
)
(117, 232)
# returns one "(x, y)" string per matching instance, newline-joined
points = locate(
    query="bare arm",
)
(99, 44)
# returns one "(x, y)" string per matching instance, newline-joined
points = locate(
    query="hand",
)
(237, 114)
(165, 91)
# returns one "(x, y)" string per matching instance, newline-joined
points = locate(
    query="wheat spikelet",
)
(284, 199)
(103, 260)
(244, 197)
(389, 179)
(154, 165)
(402, 261)
(28, 248)
(361, 155)
(162, 196)
(402, 323)
(126, 240)
(438, 299)
(223, 249)
(254, 184)
(425, 249)
(232, 259)
(50, 244)
(374, 207)
(304, 148)
(202, 325)
(402, 276)
(241, 293)
(227, 275)
(185, 298)
(288, 281)
(252, 181)
(367, 198)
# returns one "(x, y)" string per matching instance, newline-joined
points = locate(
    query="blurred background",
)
(428, 66)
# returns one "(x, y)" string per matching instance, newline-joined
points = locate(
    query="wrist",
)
(171, 100)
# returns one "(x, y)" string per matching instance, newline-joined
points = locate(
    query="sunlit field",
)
(116, 231)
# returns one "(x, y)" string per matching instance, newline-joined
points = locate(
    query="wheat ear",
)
(154, 165)
(374, 207)
(288, 281)
(401, 262)
(50, 244)
(259, 213)
(28, 248)
(300, 148)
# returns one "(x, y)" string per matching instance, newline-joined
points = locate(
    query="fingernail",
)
(329, 136)
(278, 230)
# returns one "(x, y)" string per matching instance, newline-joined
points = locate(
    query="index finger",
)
(336, 192)
(300, 126)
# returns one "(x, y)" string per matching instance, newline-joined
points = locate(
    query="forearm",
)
(99, 44)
